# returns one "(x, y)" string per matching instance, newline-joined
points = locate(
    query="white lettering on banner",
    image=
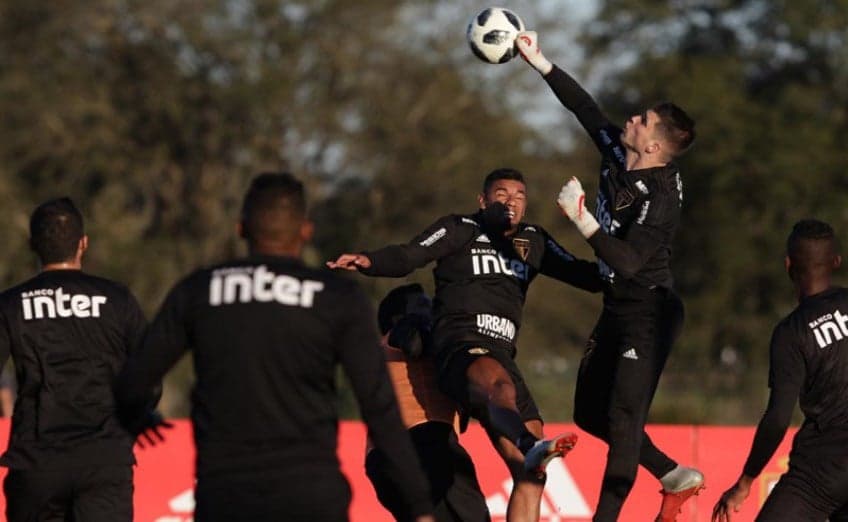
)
(830, 328)
(435, 236)
(494, 326)
(182, 508)
(490, 263)
(562, 499)
(49, 303)
(246, 284)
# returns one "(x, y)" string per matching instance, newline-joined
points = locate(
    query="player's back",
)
(69, 334)
(267, 335)
(820, 326)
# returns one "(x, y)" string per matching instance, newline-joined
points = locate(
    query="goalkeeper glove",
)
(572, 202)
(528, 45)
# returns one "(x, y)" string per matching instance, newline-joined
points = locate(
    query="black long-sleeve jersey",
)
(69, 334)
(267, 335)
(638, 210)
(808, 360)
(481, 278)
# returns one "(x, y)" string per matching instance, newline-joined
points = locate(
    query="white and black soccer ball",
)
(491, 34)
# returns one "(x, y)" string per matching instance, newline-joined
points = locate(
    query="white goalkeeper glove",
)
(572, 202)
(528, 45)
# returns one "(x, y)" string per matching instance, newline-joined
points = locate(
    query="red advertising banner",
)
(164, 476)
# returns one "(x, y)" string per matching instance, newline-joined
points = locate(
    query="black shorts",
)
(297, 493)
(96, 494)
(816, 485)
(453, 365)
(454, 489)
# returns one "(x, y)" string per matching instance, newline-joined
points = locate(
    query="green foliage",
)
(154, 116)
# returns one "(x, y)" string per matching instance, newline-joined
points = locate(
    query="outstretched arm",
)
(560, 264)
(139, 384)
(786, 376)
(572, 96)
(438, 240)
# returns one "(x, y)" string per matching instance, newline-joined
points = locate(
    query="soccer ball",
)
(491, 34)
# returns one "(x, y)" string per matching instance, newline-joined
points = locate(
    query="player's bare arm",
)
(350, 262)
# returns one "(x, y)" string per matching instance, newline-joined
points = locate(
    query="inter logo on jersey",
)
(486, 261)
(47, 303)
(245, 284)
(830, 328)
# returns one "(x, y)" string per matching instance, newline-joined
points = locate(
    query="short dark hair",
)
(55, 229)
(274, 207)
(676, 127)
(399, 302)
(503, 173)
(812, 247)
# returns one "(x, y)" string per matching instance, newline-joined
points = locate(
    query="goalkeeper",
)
(636, 215)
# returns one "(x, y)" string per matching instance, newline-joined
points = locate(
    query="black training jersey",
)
(638, 210)
(69, 334)
(808, 360)
(267, 335)
(481, 278)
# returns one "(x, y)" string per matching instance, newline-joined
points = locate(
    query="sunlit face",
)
(638, 134)
(512, 193)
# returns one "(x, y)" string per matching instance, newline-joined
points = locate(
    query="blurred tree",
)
(154, 115)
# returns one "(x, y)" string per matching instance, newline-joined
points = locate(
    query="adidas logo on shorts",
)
(631, 354)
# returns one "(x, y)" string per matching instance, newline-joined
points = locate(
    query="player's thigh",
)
(524, 401)
(814, 487)
(597, 366)
(104, 494)
(790, 501)
(37, 495)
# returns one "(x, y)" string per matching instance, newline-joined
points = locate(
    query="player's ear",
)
(788, 264)
(837, 261)
(653, 147)
(307, 230)
(481, 200)
(83, 244)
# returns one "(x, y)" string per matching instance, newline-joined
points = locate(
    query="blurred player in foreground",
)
(637, 213)
(405, 320)
(484, 264)
(267, 334)
(69, 334)
(808, 359)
